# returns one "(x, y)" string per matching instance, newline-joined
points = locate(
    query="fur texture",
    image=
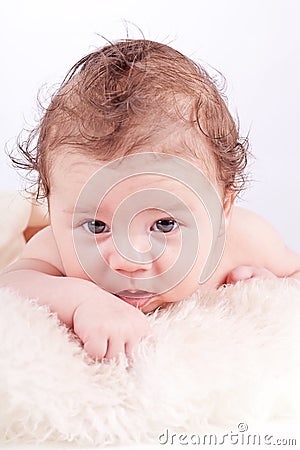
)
(229, 358)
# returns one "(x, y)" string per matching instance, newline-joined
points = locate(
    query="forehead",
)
(142, 181)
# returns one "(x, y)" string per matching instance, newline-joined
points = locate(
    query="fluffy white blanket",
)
(230, 359)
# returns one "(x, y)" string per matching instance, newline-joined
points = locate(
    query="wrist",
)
(75, 292)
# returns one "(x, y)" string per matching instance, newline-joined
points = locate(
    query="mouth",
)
(135, 297)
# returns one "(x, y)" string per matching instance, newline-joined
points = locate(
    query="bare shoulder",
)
(248, 224)
(254, 241)
(41, 253)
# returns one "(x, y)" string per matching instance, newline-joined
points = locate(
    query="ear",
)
(228, 204)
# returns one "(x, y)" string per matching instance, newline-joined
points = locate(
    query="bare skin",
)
(109, 326)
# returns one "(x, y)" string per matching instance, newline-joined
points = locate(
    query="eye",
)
(165, 225)
(96, 227)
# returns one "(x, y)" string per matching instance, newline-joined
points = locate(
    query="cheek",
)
(170, 254)
(189, 276)
(63, 235)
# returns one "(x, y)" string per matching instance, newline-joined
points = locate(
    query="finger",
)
(115, 349)
(244, 273)
(240, 273)
(263, 273)
(129, 348)
(96, 348)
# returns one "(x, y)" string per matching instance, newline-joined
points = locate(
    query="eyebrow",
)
(173, 209)
(83, 210)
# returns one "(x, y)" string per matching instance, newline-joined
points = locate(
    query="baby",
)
(140, 162)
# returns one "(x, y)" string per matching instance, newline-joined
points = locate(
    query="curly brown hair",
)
(119, 97)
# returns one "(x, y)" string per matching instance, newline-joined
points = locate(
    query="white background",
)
(254, 43)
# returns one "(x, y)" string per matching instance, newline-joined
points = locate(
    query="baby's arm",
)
(260, 251)
(106, 325)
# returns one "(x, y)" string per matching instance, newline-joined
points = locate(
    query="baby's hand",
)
(243, 273)
(108, 326)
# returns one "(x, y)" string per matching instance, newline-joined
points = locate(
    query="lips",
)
(135, 297)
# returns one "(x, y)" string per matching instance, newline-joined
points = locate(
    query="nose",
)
(132, 258)
(126, 266)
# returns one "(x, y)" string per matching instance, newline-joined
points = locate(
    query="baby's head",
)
(118, 107)
(135, 95)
